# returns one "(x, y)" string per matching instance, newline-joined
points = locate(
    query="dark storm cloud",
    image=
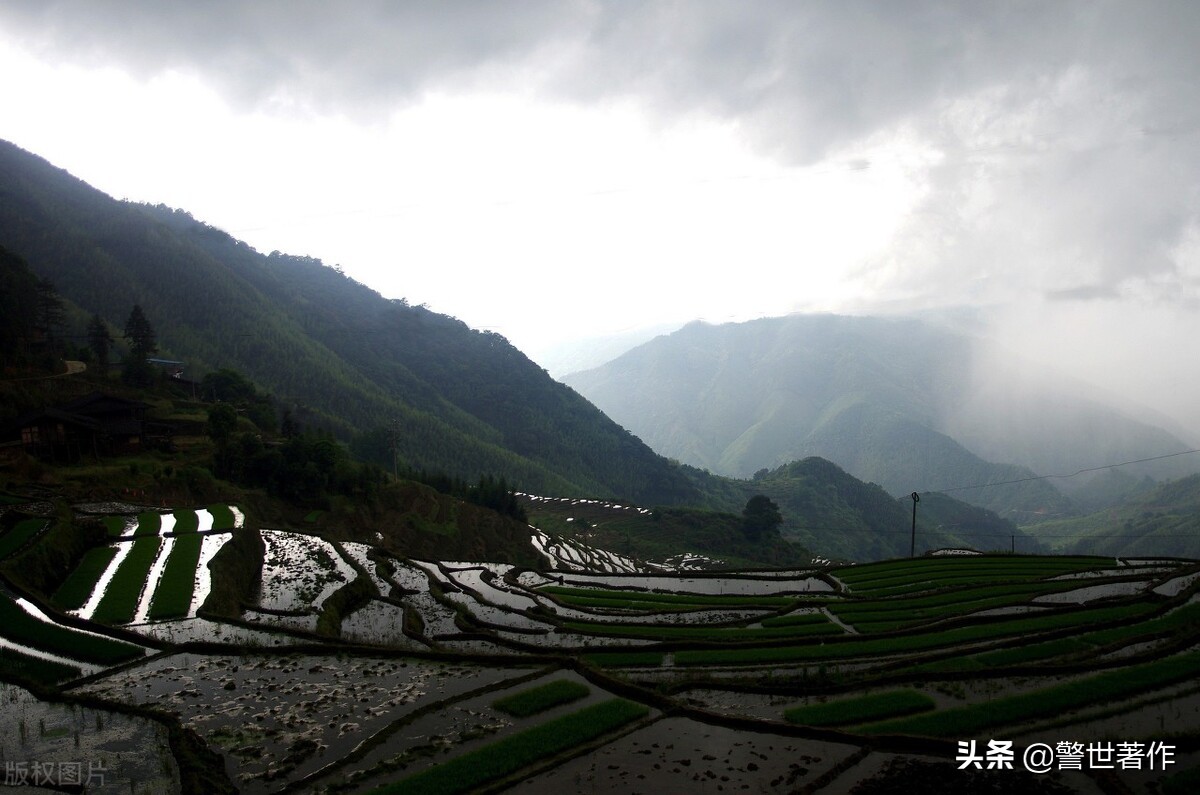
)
(1067, 131)
(809, 74)
(344, 56)
(806, 75)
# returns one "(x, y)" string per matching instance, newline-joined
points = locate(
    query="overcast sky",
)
(558, 169)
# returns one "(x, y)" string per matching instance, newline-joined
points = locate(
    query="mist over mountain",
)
(900, 402)
(561, 358)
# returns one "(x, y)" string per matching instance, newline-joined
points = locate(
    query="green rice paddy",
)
(476, 768)
(541, 698)
(120, 600)
(173, 596)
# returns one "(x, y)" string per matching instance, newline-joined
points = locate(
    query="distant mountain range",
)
(899, 402)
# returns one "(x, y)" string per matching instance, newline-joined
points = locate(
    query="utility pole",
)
(916, 498)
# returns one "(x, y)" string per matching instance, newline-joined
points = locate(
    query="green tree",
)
(222, 422)
(228, 385)
(760, 517)
(142, 343)
(99, 341)
(140, 334)
(49, 311)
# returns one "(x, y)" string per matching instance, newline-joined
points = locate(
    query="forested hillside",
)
(838, 515)
(340, 355)
(1164, 520)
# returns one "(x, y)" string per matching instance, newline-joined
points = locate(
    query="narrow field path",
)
(849, 629)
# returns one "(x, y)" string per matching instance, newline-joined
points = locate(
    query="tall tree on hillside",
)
(142, 343)
(48, 312)
(100, 341)
(760, 517)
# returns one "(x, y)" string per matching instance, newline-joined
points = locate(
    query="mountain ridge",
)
(889, 399)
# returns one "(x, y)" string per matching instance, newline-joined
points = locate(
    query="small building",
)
(122, 421)
(56, 435)
(93, 425)
(173, 368)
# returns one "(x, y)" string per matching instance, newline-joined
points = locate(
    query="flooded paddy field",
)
(337, 666)
(678, 755)
(300, 571)
(64, 744)
(281, 718)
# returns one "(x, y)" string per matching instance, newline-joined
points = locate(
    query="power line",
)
(1073, 474)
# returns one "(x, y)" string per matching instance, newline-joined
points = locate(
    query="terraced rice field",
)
(353, 669)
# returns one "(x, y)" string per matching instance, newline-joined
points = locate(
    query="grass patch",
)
(621, 659)
(895, 577)
(628, 604)
(509, 755)
(1013, 592)
(173, 597)
(186, 521)
(23, 628)
(46, 672)
(115, 525)
(222, 517)
(605, 598)
(718, 634)
(849, 711)
(913, 643)
(20, 535)
(149, 523)
(795, 619)
(75, 590)
(1090, 691)
(539, 699)
(1184, 619)
(120, 600)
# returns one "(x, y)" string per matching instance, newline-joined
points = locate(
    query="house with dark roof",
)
(93, 425)
(56, 435)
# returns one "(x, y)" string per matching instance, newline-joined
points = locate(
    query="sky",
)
(565, 169)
